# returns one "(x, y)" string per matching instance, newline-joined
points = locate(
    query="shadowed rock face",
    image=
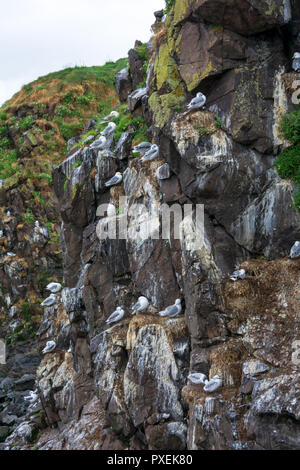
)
(125, 386)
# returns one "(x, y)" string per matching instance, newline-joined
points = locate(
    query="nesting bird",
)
(238, 275)
(8, 214)
(116, 316)
(141, 305)
(112, 115)
(50, 346)
(99, 143)
(213, 385)
(51, 300)
(117, 179)
(109, 129)
(151, 154)
(54, 287)
(172, 311)
(296, 62)
(197, 102)
(197, 378)
(142, 148)
(32, 397)
(295, 250)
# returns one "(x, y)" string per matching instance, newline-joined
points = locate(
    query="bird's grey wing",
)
(114, 180)
(172, 310)
(137, 306)
(113, 317)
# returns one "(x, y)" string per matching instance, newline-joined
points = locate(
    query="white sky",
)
(42, 36)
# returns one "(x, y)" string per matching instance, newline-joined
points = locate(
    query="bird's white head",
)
(178, 302)
(154, 147)
(297, 55)
(118, 174)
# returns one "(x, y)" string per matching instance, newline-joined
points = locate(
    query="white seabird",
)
(54, 287)
(109, 129)
(117, 179)
(213, 385)
(112, 115)
(32, 397)
(11, 255)
(151, 154)
(1, 233)
(172, 311)
(116, 316)
(142, 148)
(8, 214)
(295, 250)
(50, 346)
(296, 62)
(238, 275)
(36, 224)
(197, 102)
(197, 378)
(99, 144)
(141, 305)
(51, 300)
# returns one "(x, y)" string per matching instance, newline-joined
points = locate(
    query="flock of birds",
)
(210, 386)
(147, 151)
(142, 305)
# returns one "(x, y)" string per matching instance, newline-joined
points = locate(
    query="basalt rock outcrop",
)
(125, 386)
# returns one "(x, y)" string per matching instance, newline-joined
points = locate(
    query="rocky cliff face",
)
(125, 386)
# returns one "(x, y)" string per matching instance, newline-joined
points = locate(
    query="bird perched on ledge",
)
(197, 102)
(151, 154)
(109, 129)
(172, 311)
(50, 346)
(141, 305)
(197, 378)
(116, 316)
(296, 62)
(142, 148)
(213, 385)
(112, 115)
(117, 179)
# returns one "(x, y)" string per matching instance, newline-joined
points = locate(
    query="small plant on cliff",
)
(142, 51)
(290, 126)
(169, 5)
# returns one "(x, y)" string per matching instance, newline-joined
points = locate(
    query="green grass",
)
(287, 163)
(26, 123)
(78, 75)
(169, 5)
(7, 159)
(142, 51)
(28, 217)
(290, 126)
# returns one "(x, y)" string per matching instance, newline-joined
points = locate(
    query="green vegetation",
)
(219, 123)
(26, 123)
(8, 162)
(169, 5)
(290, 126)
(78, 75)
(142, 51)
(287, 163)
(28, 217)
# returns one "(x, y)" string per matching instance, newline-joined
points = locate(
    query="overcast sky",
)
(41, 36)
